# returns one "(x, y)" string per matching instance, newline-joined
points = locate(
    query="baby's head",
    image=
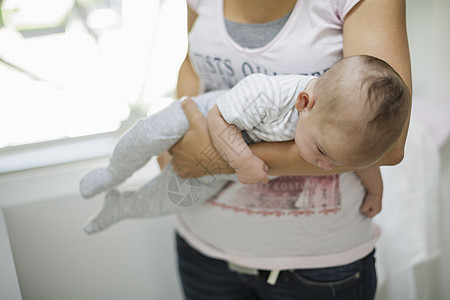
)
(352, 115)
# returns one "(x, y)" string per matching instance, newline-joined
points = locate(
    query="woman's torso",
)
(292, 217)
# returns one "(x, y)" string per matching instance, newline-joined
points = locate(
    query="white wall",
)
(440, 269)
(428, 33)
(55, 259)
(429, 37)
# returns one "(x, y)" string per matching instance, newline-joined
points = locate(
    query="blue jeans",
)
(205, 278)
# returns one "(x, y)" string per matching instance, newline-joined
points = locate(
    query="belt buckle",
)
(271, 279)
(242, 270)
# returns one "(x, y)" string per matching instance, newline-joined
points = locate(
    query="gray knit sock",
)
(167, 193)
(98, 181)
(110, 213)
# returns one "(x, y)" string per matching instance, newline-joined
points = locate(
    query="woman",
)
(310, 228)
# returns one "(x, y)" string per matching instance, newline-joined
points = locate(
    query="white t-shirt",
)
(292, 222)
(264, 106)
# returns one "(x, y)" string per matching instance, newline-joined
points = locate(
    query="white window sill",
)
(68, 150)
(54, 153)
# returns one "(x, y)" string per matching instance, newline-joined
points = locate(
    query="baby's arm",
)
(228, 141)
(373, 183)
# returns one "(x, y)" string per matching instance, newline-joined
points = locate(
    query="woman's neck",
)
(256, 11)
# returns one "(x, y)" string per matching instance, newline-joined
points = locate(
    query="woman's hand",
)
(163, 159)
(194, 155)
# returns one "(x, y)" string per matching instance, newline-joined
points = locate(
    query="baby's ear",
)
(305, 100)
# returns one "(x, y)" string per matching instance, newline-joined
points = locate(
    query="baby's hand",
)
(253, 170)
(371, 205)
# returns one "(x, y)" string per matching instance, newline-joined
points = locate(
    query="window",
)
(71, 69)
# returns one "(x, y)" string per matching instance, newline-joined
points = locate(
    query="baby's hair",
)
(376, 127)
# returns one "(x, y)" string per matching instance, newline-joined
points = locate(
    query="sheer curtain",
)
(413, 231)
(410, 216)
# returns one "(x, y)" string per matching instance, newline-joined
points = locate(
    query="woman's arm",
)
(282, 158)
(373, 27)
(378, 28)
(187, 85)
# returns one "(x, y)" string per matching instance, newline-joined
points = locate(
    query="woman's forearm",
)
(283, 159)
(373, 27)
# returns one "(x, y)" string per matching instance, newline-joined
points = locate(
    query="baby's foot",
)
(110, 213)
(97, 181)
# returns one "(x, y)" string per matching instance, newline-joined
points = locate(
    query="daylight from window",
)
(76, 68)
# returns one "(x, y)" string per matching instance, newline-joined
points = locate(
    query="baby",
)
(352, 115)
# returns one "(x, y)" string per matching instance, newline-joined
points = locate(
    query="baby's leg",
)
(167, 193)
(149, 137)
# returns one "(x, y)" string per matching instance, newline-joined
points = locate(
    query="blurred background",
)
(76, 74)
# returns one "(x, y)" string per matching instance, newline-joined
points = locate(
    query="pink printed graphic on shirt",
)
(287, 195)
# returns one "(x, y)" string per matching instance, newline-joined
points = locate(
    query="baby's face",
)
(322, 146)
